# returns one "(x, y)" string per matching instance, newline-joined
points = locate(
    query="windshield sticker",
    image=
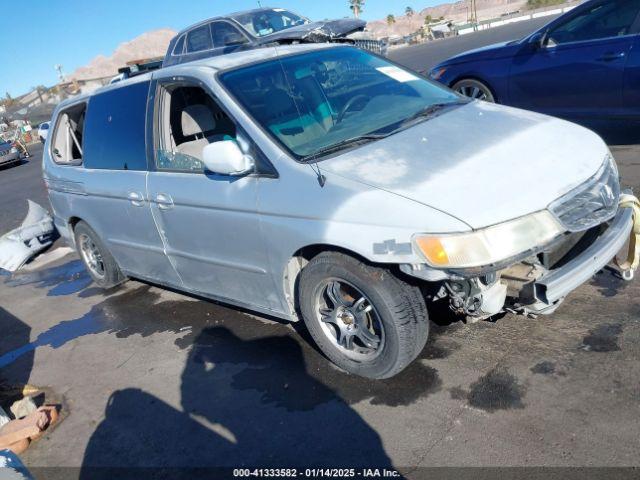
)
(397, 74)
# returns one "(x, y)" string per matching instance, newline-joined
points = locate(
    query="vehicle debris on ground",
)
(34, 235)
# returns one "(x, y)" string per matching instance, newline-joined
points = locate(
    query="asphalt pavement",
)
(19, 182)
(154, 378)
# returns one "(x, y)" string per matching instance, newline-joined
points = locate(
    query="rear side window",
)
(199, 39)
(115, 129)
(67, 146)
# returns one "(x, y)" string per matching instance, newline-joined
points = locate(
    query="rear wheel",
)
(365, 319)
(474, 89)
(99, 263)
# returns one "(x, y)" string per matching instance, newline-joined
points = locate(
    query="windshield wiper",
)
(429, 111)
(423, 113)
(341, 145)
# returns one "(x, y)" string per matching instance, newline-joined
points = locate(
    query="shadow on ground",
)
(245, 402)
(14, 334)
(253, 393)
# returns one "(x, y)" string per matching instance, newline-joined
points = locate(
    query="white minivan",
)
(325, 183)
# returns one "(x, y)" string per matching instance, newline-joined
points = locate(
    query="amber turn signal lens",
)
(433, 249)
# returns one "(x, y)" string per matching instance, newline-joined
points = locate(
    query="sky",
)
(72, 32)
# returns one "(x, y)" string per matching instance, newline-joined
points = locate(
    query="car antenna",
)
(321, 178)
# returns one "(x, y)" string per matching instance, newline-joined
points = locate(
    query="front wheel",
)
(365, 319)
(474, 89)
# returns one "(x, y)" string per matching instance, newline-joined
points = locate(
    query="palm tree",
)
(391, 19)
(356, 7)
(409, 12)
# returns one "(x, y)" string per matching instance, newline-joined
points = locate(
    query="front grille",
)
(3, 153)
(593, 202)
(375, 46)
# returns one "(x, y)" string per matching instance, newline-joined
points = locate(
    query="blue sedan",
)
(584, 66)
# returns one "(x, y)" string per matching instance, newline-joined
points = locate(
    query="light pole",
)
(473, 15)
(58, 68)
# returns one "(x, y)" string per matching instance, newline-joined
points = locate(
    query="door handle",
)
(611, 56)
(136, 199)
(164, 201)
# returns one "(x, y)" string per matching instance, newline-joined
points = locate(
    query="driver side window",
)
(613, 18)
(188, 120)
(224, 34)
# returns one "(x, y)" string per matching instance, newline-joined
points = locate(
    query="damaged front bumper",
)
(34, 235)
(557, 284)
(533, 286)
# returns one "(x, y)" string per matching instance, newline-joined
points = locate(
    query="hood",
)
(481, 163)
(483, 53)
(322, 31)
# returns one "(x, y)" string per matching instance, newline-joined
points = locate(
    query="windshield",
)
(316, 100)
(267, 22)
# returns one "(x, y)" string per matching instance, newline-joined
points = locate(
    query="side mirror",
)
(538, 40)
(226, 158)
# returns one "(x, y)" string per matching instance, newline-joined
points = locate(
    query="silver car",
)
(327, 184)
(9, 153)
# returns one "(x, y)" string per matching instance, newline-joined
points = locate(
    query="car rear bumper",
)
(555, 285)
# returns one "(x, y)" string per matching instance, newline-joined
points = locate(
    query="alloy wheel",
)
(91, 255)
(475, 90)
(349, 320)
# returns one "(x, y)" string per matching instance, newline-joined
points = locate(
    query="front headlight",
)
(489, 245)
(436, 73)
(591, 203)
(14, 150)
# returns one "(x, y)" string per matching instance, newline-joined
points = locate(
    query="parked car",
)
(43, 131)
(9, 153)
(325, 183)
(260, 27)
(582, 66)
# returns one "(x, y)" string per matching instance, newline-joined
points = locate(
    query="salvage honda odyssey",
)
(325, 183)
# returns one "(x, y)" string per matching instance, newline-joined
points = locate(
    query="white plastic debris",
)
(23, 407)
(26, 241)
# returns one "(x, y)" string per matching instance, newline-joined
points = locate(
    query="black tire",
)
(475, 89)
(399, 306)
(111, 274)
